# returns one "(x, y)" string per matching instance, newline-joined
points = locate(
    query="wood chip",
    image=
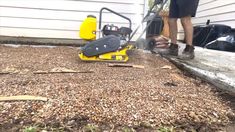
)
(177, 77)
(166, 67)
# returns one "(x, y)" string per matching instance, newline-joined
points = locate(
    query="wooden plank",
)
(43, 33)
(61, 25)
(125, 65)
(62, 71)
(215, 4)
(70, 5)
(51, 72)
(213, 18)
(23, 98)
(1, 73)
(67, 15)
(43, 18)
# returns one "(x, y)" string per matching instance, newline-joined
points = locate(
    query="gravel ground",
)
(111, 98)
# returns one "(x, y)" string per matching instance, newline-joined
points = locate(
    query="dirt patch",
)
(110, 98)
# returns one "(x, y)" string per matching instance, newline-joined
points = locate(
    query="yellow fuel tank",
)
(88, 28)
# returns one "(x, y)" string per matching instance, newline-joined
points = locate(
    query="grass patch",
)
(30, 129)
(165, 129)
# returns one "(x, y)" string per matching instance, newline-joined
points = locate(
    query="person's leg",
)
(187, 10)
(188, 52)
(188, 29)
(173, 30)
(173, 15)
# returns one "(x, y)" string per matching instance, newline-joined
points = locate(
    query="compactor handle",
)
(118, 14)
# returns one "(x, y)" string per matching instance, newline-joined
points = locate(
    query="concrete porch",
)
(216, 67)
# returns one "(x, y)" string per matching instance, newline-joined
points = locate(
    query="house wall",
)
(218, 11)
(62, 18)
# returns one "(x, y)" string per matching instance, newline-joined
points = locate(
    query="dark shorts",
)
(183, 8)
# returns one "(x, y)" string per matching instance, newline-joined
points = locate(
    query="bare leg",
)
(173, 30)
(188, 29)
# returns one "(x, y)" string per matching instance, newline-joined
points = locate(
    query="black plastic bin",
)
(208, 33)
(155, 27)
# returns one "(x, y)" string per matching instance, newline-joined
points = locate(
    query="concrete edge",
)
(41, 41)
(218, 80)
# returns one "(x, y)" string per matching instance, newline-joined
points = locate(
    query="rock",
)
(194, 116)
(71, 123)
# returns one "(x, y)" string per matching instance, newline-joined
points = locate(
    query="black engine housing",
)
(103, 45)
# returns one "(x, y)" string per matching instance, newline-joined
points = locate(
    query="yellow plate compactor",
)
(111, 47)
(115, 41)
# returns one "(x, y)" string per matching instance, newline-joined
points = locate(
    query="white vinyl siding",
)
(62, 18)
(218, 11)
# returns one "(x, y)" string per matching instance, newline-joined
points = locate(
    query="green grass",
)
(165, 129)
(90, 128)
(126, 129)
(30, 129)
